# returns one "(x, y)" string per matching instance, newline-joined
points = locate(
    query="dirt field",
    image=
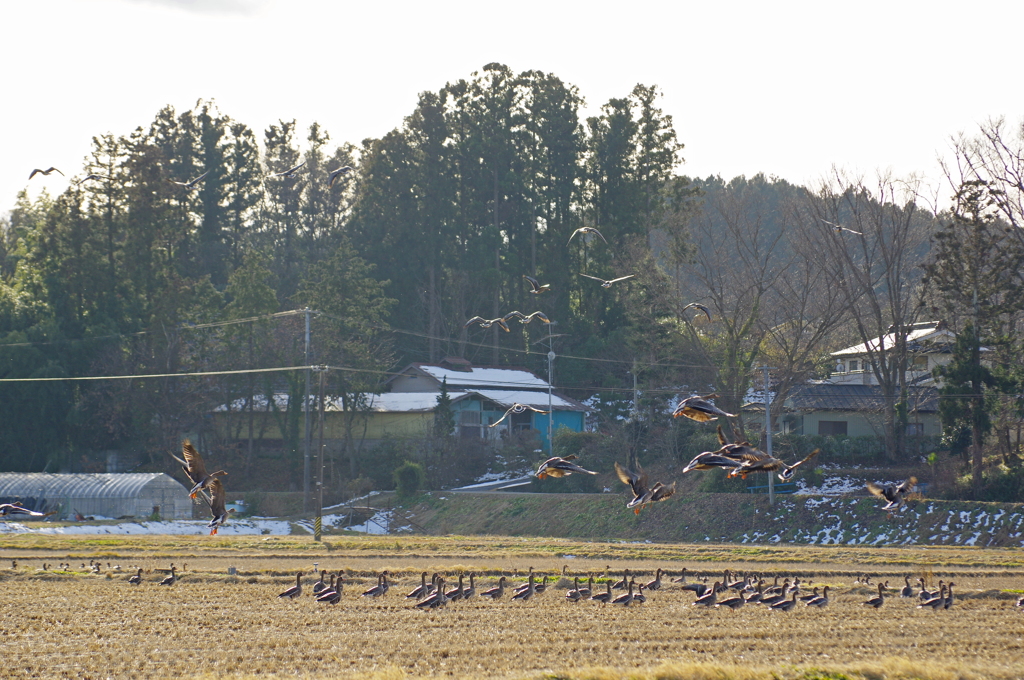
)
(74, 624)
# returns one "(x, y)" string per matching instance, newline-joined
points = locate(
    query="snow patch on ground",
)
(233, 527)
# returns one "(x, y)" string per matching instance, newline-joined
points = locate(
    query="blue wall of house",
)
(570, 419)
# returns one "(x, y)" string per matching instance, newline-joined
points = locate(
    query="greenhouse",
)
(140, 495)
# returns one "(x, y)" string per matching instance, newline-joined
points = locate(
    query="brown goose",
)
(37, 171)
(319, 586)
(455, 594)
(821, 601)
(518, 408)
(380, 588)
(170, 580)
(949, 596)
(935, 602)
(335, 174)
(192, 182)
(217, 502)
(435, 599)
(586, 230)
(708, 599)
(785, 605)
(330, 591)
(195, 468)
(560, 467)
(574, 595)
(535, 286)
(732, 602)
(422, 589)
(296, 590)
(497, 592)
(607, 283)
(470, 591)
(643, 494)
(527, 592)
(136, 579)
(878, 600)
(656, 583)
(627, 599)
(606, 597)
(700, 409)
(624, 583)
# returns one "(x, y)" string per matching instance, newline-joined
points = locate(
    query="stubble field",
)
(69, 623)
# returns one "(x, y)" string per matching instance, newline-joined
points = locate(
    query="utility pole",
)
(551, 377)
(768, 432)
(308, 424)
(318, 524)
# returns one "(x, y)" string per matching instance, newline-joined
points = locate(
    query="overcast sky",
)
(786, 88)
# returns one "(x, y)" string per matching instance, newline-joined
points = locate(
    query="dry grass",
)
(213, 625)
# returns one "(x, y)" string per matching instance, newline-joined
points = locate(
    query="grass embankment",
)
(744, 518)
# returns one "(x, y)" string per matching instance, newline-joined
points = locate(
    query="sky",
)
(788, 88)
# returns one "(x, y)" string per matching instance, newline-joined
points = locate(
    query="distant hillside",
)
(720, 517)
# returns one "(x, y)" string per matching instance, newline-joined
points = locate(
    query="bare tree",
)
(872, 239)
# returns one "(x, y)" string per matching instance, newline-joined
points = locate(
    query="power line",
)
(197, 374)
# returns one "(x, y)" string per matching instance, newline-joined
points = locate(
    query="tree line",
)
(481, 184)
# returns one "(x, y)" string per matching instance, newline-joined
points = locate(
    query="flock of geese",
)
(731, 591)
(332, 175)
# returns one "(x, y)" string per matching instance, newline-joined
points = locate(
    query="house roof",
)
(479, 377)
(537, 399)
(922, 337)
(829, 397)
(83, 485)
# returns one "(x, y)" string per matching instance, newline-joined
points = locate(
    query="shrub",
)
(409, 478)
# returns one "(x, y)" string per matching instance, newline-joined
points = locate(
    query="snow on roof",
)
(83, 485)
(537, 399)
(406, 402)
(484, 377)
(889, 340)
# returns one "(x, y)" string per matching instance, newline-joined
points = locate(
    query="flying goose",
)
(17, 509)
(89, 177)
(535, 286)
(519, 408)
(759, 461)
(839, 230)
(587, 230)
(195, 468)
(607, 283)
(192, 182)
(290, 172)
(335, 174)
(50, 169)
(895, 494)
(560, 467)
(643, 494)
(700, 409)
(699, 306)
(217, 506)
(487, 323)
(527, 318)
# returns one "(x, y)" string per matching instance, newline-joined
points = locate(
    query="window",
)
(832, 428)
(915, 429)
(469, 425)
(853, 365)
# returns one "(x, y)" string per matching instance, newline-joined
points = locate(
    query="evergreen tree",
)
(444, 416)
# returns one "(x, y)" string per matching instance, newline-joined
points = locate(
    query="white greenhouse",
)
(109, 495)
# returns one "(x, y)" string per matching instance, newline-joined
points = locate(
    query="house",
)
(480, 397)
(852, 410)
(929, 344)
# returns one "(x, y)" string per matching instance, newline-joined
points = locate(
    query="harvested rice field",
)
(77, 624)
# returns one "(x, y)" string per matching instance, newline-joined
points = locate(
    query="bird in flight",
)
(517, 408)
(16, 509)
(699, 306)
(839, 230)
(535, 286)
(756, 460)
(290, 172)
(700, 409)
(195, 469)
(50, 169)
(192, 182)
(560, 467)
(89, 177)
(608, 283)
(487, 323)
(643, 494)
(894, 493)
(587, 230)
(217, 506)
(335, 174)
(527, 318)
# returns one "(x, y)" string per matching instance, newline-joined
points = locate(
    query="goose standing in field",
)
(170, 580)
(907, 590)
(878, 600)
(605, 597)
(422, 589)
(656, 583)
(329, 591)
(542, 586)
(821, 601)
(136, 579)
(528, 592)
(812, 596)
(681, 578)
(380, 588)
(192, 182)
(435, 599)
(195, 469)
(607, 283)
(455, 594)
(574, 594)
(560, 467)
(785, 605)
(470, 590)
(50, 169)
(700, 409)
(296, 590)
(949, 596)
(335, 174)
(623, 583)
(627, 599)
(935, 602)
(731, 602)
(497, 592)
(709, 598)
(586, 230)
(319, 586)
